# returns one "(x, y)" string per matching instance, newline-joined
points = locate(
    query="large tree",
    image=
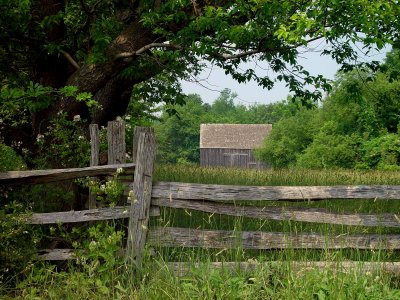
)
(107, 47)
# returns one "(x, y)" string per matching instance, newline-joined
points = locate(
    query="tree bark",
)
(111, 90)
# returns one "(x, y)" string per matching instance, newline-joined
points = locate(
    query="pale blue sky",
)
(214, 80)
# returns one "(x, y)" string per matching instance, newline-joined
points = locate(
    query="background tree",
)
(178, 135)
(357, 125)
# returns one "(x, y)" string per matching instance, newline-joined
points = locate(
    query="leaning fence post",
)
(141, 195)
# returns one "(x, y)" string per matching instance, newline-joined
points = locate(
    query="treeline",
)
(356, 126)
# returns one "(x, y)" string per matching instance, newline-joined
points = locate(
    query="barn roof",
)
(235, 136)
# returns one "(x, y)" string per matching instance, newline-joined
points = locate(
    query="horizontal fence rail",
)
(302, 214)
(98, 214)
(57, 254)
(195, 191)
(225, 239)
(45, 176)
(184, 268)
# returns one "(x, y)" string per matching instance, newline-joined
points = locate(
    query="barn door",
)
(236, 159)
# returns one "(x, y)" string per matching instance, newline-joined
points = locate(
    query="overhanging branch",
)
(223, 56)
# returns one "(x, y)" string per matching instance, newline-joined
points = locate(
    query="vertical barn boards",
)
(231, 145)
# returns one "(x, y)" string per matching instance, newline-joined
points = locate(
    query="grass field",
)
(276, 281)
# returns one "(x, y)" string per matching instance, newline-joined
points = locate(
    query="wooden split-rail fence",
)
(148, 197)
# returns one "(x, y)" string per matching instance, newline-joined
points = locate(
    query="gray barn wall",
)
(236, 158)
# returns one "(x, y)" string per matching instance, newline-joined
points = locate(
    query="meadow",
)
(110, 278)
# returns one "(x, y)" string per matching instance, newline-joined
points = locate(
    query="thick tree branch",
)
(223, 56)
(145, 48)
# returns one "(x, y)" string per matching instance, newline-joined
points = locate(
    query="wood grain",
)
(116, 142)
(45, 176)
(195, 191)
(185, 268)
(56, 254)
(303, 214)
(94, 159)
(221, 239)
(98, 214)
(140, 204)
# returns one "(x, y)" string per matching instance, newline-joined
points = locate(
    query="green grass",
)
(200, 220)
(156, 281)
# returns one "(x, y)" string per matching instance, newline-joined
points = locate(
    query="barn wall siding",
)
(234, 158)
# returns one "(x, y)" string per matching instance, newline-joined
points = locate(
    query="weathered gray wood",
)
(56, 254)
(303, 214)
(94, 144)
(116, 142)
(44, 176)
(195, 191)
(136, 134)
(185, 268)
(94, 158)
(140, 204)
(119, 212)
(185, 237)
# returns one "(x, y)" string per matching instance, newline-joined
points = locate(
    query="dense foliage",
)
(356, 126)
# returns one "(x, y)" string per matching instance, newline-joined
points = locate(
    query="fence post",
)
(116, 142)
(141, 195)
(94, 158)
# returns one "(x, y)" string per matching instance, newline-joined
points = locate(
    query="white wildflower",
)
(120, 170)
(77, 118)
(40, 138)
(80, 138)
(128, 117)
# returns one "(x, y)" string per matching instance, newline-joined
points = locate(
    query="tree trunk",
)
(103, 81)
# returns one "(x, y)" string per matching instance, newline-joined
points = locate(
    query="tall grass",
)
(271, 281)
(288, 177)
(200, 220)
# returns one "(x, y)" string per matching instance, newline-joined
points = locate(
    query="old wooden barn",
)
(231, 145)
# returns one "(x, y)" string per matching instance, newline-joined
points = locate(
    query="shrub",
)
(10, 160)
(383, 152)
